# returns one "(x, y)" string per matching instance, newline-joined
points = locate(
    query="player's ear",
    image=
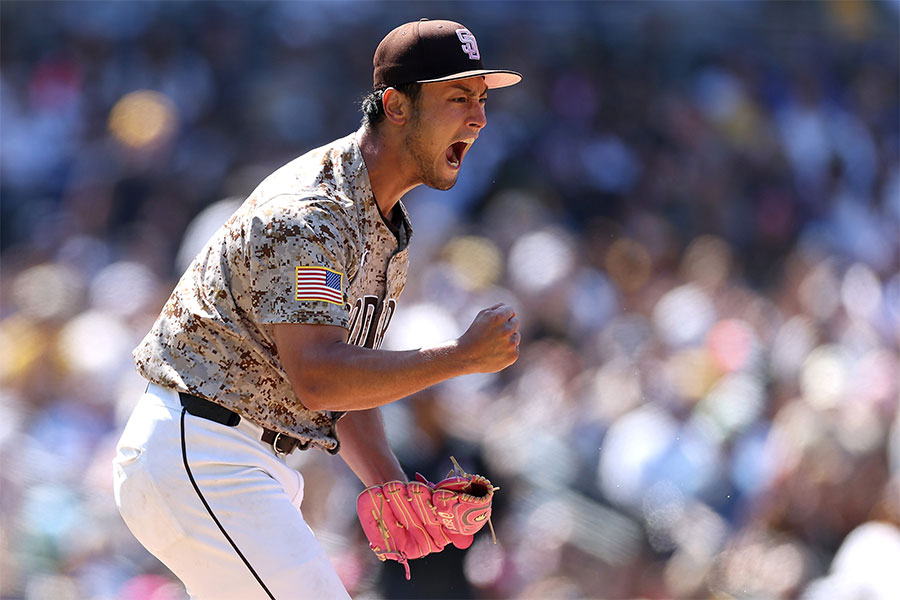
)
(397, 106)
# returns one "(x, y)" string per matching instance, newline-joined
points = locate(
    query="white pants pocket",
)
(141, 505)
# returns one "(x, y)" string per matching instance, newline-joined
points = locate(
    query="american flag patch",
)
(319, 283)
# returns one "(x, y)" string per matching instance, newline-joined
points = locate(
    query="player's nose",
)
(477, 116)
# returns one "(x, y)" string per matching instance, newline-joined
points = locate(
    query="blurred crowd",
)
(693, 206)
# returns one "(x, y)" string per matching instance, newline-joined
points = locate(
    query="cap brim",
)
(492, 77)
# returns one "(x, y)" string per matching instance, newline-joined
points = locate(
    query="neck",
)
(389, 171)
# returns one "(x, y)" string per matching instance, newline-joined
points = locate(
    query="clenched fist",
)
(491, 343)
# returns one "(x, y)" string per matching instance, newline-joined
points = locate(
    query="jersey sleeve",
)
(299, 253)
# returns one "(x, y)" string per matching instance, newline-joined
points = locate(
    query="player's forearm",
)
(365, 449)
(345, 377)
(329, 374)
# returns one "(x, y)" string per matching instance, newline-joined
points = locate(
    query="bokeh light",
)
(48, 291)
(860, 291)
(824, 377)
(732, 343)
(95, 342)
(476, 261)
(123, 288)
(540, 260)
(143, 119)
(683, 315)
(691, 372)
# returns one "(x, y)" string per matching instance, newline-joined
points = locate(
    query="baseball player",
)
(270, 341)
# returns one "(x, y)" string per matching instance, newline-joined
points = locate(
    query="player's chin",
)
(443, 185)
(442, 182)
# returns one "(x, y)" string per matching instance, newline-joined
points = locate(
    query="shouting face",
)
(444, 124)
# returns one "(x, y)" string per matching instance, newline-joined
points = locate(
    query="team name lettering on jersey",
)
(369, 321)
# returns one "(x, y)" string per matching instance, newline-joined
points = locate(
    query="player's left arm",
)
(365, 448)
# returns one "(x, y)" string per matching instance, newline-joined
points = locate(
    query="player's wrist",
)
(381, 474)
(451, 358)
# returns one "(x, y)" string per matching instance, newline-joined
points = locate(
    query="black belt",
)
(203, 408)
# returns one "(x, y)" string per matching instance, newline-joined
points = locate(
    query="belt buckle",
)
(275, 446)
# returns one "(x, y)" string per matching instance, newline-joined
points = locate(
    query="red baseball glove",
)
(404, 521)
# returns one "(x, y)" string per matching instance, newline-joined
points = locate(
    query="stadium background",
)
(694, 206)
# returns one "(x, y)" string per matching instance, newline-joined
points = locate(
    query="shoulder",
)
(304, 194)
(302, 211)
(311, 181)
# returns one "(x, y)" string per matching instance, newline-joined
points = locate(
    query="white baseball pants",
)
(217, 506)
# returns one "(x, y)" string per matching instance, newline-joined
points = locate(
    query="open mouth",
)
(456, 151)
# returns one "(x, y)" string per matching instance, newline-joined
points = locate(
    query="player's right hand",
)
(491, 343)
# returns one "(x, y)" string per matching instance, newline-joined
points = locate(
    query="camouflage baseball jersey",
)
(309, 245)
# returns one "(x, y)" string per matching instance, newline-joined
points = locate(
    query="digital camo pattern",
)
(213, 337)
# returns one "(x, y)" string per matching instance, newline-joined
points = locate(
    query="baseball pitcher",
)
(270, 343)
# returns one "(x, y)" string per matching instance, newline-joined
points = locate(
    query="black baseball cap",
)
(428, 51)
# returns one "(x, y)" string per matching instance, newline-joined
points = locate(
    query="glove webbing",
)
(460, 472)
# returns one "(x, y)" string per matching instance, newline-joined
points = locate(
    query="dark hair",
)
(373, 108)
